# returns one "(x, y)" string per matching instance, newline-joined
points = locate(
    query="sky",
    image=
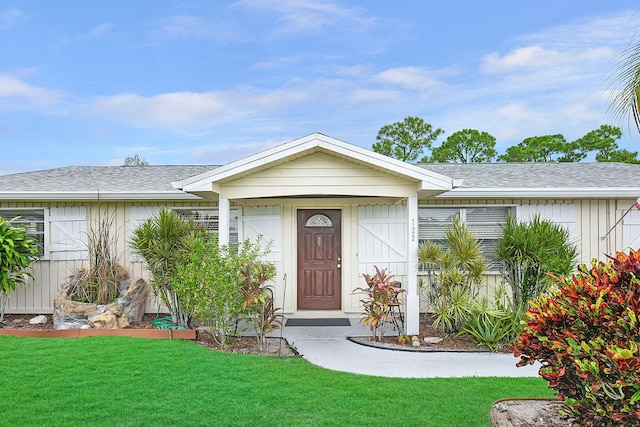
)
(209, 82)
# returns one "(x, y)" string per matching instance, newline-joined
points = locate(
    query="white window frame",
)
(462, 213)
(44, 255)
(235, 235)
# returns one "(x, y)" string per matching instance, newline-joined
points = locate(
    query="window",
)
(210, 219)
(31, 220)
(484, 223)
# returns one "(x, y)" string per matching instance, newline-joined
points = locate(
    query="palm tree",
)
(626, 101)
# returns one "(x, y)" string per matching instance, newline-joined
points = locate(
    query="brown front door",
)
(319, 259)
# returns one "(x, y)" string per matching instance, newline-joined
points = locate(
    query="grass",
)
(136, 382)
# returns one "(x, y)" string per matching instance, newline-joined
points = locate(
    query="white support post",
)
(224, 212)
(412, 315)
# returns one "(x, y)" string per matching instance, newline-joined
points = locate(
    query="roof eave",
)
(541, 193)
(94, 195)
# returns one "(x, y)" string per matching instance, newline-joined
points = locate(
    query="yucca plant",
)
(530, 250)
(453, 276)
(163, 242)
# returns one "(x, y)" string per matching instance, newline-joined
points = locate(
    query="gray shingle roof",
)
(156, 180)
(540, 175)
(106, 179)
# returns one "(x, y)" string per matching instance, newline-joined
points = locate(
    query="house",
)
(332, 211)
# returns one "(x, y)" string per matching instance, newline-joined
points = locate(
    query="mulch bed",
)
(449, 343)
(240, 345)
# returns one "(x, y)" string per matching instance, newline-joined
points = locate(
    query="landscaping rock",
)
(109, 320)
(529, 413)
(38, 320)
(433, 340)
(69, 314)
(134, 299)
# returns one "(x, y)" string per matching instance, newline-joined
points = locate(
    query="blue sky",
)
(208, 82)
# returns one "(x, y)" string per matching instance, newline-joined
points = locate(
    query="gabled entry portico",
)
(307, 196)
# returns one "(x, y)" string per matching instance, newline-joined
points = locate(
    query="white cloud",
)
(16, 93)
(10, 16)
(537, 57)
(413, 78)
(307, 16)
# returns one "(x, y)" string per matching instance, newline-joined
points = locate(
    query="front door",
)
(319, 259)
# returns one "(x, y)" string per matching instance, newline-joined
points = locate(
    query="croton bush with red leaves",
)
(585, 334)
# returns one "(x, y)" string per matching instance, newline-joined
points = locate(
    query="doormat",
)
(318, 322)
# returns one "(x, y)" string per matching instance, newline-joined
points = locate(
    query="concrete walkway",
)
(327, 346)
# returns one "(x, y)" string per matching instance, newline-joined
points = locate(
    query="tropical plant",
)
(258, 304)
(452, 275)
(164, 243)
(17, 251)
(626, 100)
(586, 335)
(494, 323)
(407, 139)
(381, 297)
(528, 251)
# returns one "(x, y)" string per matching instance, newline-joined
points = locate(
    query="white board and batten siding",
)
(382, 239)
(631, 230)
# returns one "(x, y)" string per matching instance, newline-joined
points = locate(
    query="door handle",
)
(339, 265)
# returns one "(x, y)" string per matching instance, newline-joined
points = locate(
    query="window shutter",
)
(382, 239)
(265, 221)
(137, 216)
(68, 237)
(561, 214)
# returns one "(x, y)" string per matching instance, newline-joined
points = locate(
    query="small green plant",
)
(529, 250)
(452, 276)
(586, 335)
(494, 323)
(17, 251)
(381, 296)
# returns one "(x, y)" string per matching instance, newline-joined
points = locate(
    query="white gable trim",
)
(313, 143)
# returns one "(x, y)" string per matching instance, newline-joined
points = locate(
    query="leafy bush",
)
(453, 276)
(381, 295)
(219, 285)
(586, 335)
(17, 251)
(528, 251)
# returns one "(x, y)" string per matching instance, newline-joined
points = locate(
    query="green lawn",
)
(118, 381)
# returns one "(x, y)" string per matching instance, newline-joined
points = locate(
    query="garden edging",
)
(166, 334)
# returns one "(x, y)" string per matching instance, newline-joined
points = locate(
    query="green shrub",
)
(528, 251)
(17, 251)
(586, 336)
(219, 285)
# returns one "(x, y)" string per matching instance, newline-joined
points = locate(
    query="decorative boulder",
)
(128, 309)
(133, 299)
(109, 320)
